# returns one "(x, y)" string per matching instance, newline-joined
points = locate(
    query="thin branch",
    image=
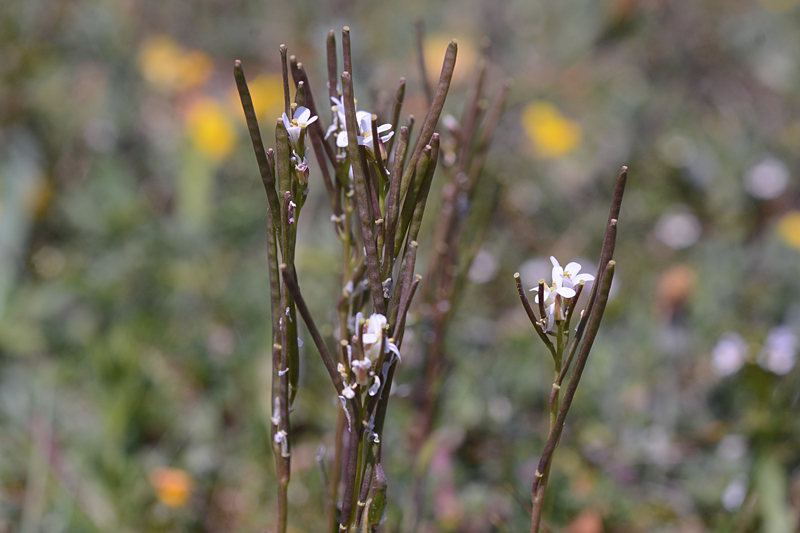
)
(300, 302)
(264, 167)
(362, 200)
(531, 315)
(423, 72)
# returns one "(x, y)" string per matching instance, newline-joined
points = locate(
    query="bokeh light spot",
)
(551, 133)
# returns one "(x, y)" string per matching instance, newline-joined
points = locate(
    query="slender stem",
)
(352, 463)
(285, 74)
(264, 167)
(423, 72)
(437, 104)
(362, 198)
(403, 312)
(397, 104)
(537, 493)
(330, 48)
(336, 474)
(532, 316)
(294, 290)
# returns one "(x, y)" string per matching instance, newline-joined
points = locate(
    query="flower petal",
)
(566, 292)
(583, 277)
(341, 139)
(572, 269)
(392, 347)
(331, 129)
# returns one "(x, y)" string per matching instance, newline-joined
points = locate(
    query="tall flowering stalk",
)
(556, 305)
(378, 198)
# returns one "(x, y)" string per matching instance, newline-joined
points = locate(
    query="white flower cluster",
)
(364, 370)
(778, 355)
(296, 127)
(363, 128)
(565, 280)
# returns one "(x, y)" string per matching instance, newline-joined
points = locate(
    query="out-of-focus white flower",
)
(364, 127)
(729, 354)
(678, 228)
(734, 494)
(779, 351)
(732, 447)
(301, 119)
(767, 180)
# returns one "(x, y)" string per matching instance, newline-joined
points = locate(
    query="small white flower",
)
(376, 385)
(568, 277)
(364, 127)
(338, 118)
(729, 354)
(372, 336)
(564, 281)
(779, 352)
(301, 120)
(361, 370)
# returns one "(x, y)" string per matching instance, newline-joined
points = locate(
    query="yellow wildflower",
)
(165, 64)
(210, 128)
(195, 68)
(266, 90)
(551, 134)
(158, 58)
(435, 46)
(173, 486)
(789, 229)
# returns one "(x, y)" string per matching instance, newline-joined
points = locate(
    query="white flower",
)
(295, 126)
(373, 336)
(729, 354)
(564, 281)
(338, 118)
(364, 129)
(779, 352)
(568, 277)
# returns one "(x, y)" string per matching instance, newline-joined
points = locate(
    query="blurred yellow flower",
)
(551, 133)
(210, 128)
(158, 57)
(789, 229)
(266, 90)
(195, 69)
(173, 486)
(164, 63)
(435, 47)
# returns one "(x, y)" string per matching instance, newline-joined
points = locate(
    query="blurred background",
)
(134, 312)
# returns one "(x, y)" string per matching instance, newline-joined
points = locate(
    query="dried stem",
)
(423, 72)
(534, 321)
(294, 290)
